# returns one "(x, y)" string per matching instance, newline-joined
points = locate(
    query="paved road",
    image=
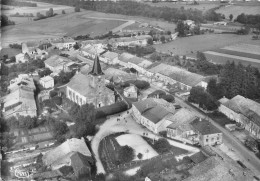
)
(232, 142)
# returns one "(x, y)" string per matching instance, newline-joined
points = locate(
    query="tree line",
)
(19, 3)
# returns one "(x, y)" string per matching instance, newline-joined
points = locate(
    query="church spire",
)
(96, 70)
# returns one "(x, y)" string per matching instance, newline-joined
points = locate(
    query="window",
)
(207, 140)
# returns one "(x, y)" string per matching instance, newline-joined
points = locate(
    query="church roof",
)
(96, 70)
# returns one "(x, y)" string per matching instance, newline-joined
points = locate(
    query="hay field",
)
(190, 45)
(73, 24)
(203, 6)
(238, 9)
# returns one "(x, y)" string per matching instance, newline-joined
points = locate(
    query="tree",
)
(168, 98)
(181, 28)
(162, 39)
(162, 146)
(77, 9)
(230, 17)
(126, 154)
(73, 111)
(76, 46)
(59, 130)
(63, 11)
(150, 41)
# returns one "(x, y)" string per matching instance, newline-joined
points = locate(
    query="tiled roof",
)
(182, 116)
(198, 157)
(155, 114)
(124, 57)
(216, 169)
(79, 161)
(63, 150)
(57, 60)
(246, 107)
(204, 126)
(46, 78)
(110, 55)
(136, 60)
(145, 63)
(178, 74)
(223, 100)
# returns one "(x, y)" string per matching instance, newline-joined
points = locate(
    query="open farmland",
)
(190, 45)
(203, 6)
(243, 53)
(73, 24)
(236, 9)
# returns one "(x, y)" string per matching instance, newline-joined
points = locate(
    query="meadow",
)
(190, 45)
(237, 9)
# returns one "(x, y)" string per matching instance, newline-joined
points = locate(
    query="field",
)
(203, 6)
(190, 45)
(243, 53)
(236, 9)
(73, 24)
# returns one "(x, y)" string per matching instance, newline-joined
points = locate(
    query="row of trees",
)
(18, 3)
(236, 80)
(249, 19)
(5, 21)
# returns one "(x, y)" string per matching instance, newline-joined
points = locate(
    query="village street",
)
(124, 122)
(246, 156)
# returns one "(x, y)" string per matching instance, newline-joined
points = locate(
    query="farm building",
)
(206, 132)
(154, 114)
(131, 91)
(117, 75)
(244, 111)
(92, 50)
(110, 58)
(81, 164)
(62, 154)
(47, 82)
(90, 88)
(174, 75)
(20, 100)
(58, 63)
(62, 43)
(180, 128)
(130, 41)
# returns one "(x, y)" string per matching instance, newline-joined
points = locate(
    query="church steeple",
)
(96, 70)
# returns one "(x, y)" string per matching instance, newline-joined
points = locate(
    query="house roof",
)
(110, 55)
(198, 157)
(145, 63)
(246, 107)
(136, 60)
(79, 161)
(223, 100)
(182, 116)
(94, 50)
(155, 114)
(125, 57)
(56, 60)
(63, 150)
(46, 79)
(216, 169)
(178, 74)
(131, 88)
(96, 69)
(204, 126)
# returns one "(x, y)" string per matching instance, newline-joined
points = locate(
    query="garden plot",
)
(246, 48)
(138, 144)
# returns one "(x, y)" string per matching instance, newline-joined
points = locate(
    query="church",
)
(90, 88)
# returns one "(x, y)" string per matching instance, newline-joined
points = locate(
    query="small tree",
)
(76, 46)
(63, 11)
(162, 39)
(140, 156)
(126, 154)
(150, 41)
(230, 17)
(77, 9)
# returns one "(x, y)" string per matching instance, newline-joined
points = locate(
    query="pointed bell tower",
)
(96, 73)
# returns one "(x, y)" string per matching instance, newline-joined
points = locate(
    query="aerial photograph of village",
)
(130, 90)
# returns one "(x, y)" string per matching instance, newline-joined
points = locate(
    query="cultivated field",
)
(203, 6)
(243, 53)
(73, 24)
(240, 8)
(190, 45)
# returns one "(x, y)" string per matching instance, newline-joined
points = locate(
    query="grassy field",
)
(9, 51)
(73, 24)
(190, 45)
(236, 9)
(203, 6)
